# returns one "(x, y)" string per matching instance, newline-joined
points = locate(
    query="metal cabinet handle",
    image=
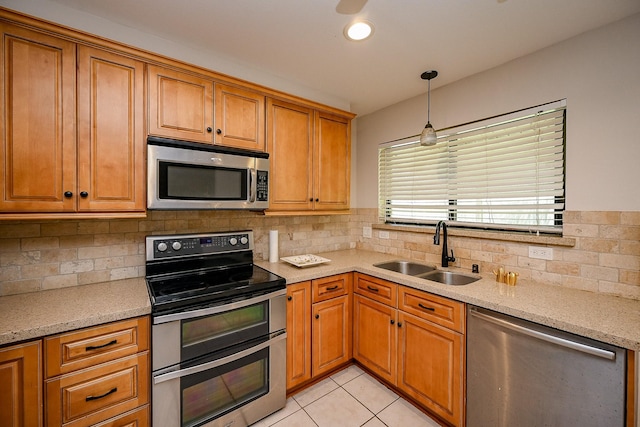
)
(218, 131)
(317, 316)
(84, 194)
(371, 288)
(425, 307)
(399, 324)
(333, 288)
(289, 298)
(393, 321)
(68, 194)
(97, 347)
(90, 398)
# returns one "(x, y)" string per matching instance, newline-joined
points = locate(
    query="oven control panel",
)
(176, 246)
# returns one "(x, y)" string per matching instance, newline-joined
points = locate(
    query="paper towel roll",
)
(273, 246)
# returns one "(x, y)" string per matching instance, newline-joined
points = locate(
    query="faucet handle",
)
(452, 258)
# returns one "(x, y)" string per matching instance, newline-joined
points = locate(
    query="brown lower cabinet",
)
(21, 385)
(98, 375)
(319, 326)
(416, 345)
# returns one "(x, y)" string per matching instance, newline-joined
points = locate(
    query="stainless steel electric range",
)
(218, 331)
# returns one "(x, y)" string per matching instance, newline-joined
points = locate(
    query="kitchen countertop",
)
(601, 317)
(606, 318)
(37, 314)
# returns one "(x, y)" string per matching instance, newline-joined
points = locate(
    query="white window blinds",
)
(506, 172)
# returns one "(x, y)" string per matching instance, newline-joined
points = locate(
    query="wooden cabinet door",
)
(180, 105)
(431, 366)
(298, 334)
(239, 118)
(111, 144)
(331, 334)
(290, 146)
(21, 385)
(332, 163)
(38, 111)
(375, 336)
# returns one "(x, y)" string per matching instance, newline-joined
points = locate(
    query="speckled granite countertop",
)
(601, 317)
(38, 314)
(605, 318)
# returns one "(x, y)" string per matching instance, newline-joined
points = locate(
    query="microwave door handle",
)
(253, 184)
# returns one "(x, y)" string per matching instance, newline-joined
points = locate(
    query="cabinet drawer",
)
(331, 287)
(137, 418)
(376, 289)
(88, 347)
(439, 310)
(97, 394)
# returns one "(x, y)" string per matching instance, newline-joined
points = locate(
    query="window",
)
(506, 172)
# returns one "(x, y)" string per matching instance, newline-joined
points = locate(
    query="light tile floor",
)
(349, 398)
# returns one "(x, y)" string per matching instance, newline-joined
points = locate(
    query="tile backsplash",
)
(40, 255)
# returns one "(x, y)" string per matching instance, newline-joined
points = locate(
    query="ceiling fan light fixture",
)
(428, 136)
(358, 30)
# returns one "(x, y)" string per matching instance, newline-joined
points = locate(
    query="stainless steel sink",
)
(449, 278)
(409, 268)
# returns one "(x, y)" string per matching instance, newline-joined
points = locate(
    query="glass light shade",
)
(428, 136)
(359, 30)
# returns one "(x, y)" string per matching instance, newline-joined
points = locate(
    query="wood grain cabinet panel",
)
(298, 334)
(99, 374)
(180, 105)
(111, 139)
(330, 287)
(431, 366)
(89, 347)
(21, 385)
(290, 145)
(333, 162)
(375, 336)
(376, 289)
(239, 118)
(331, 334)
(310, 154)
(38, 122)
(99, 393)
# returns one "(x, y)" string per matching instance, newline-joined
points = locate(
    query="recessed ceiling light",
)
(359, 30)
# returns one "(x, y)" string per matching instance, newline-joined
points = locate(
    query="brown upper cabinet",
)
(72, 127)
(310, 153)
(195, 108)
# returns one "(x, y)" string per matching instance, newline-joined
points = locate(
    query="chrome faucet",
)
(436, 241)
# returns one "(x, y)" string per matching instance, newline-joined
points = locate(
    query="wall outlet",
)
(384, 234)
(539, 252)
(366, 232)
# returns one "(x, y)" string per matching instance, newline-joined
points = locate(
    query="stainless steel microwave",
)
(187, 175)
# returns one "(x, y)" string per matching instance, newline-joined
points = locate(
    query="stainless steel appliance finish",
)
(188, 175)
(524, 374)
(218, 331)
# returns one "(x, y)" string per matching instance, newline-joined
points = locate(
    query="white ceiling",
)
(302, 40)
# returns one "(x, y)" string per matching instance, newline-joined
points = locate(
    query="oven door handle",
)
(157, 379)
(217, 309)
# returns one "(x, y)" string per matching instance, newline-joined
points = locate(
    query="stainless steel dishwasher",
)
(523, 374)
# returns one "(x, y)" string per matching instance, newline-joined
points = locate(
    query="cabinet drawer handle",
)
(97, 347)
(90, 398)
(425, 307)
(371, 288)
(333, 288)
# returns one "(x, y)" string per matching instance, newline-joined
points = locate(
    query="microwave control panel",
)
(262, 186)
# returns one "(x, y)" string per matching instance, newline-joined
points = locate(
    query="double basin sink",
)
(427, 272)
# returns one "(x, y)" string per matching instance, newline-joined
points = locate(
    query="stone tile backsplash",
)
(40, 255)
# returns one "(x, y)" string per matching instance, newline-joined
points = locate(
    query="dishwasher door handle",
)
(605, 354)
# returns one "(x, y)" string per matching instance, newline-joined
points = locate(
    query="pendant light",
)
(428, 136)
